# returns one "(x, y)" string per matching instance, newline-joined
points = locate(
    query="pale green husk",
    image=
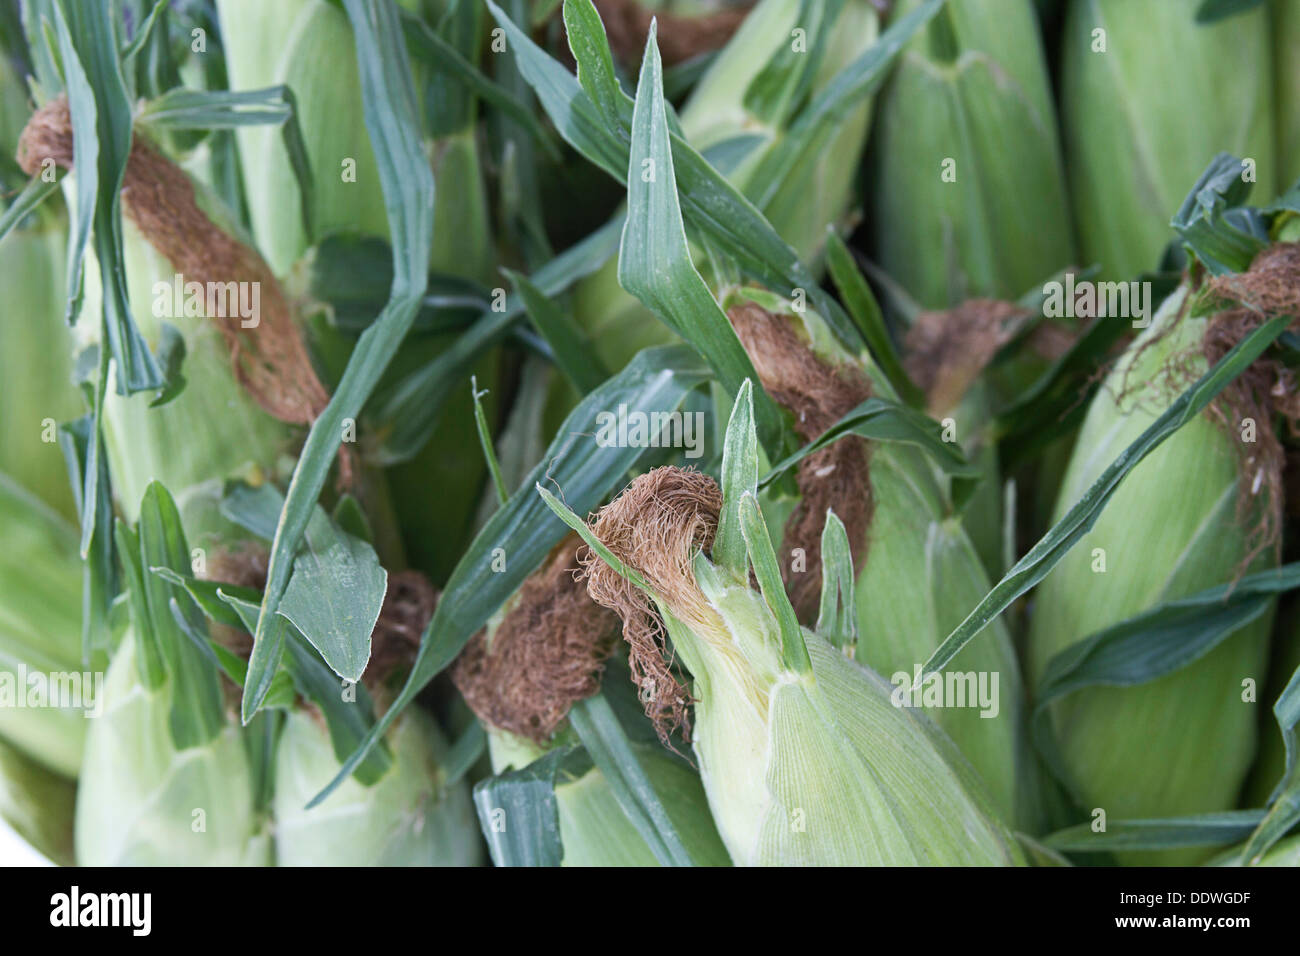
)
(972, 89)
(308, 45)
(1142, 119)
(40, 628)
(1286, 53)
(141, 802)
(409, 817)
(1181, 744)
(821, 768)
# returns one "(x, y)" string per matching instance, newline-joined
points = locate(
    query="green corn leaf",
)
(101, 133)
(409, 408)
(865, 311)
(523, 531)
(347, 721)
(1152, 644)
(654, 261)
(1208, 829)
(883, 420)
(183, 109)
(197, 710)
(464, 753)
(572, 348)
(1212, 10)
(1044, 556)
(335, 594)
(392, 122)
(143, 34)
(837, 618)
(1058, 399)
(149, 656)
(77, 441)
(1284, 803)
(171, 359)
(519, 814)
(763, 559)
(337, 586)
(603, 736)
(34, 193)
(485, 441)
(436, 53)
(739, 476)
(1212, 222)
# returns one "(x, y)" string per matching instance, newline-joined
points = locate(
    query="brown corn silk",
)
(270, 359)
(627, 24)
(547, 653)
(656, 527)
(1265, 391)
(947, 350)
(837, 477)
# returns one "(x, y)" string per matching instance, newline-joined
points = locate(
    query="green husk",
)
(409, 817)
(40, 628)
(974, 82)
(142, 802)
(38, 804)
(1171, 530)
(1134, 152)
(1286, 52)
(307, 45)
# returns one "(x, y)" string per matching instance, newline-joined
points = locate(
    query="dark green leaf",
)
(603, 737)
(1224, 237)
(883, 420)
(171, 358)
(518, 813)
(393, 124)
(654, 260)
(865, 311)
(34, 193)
(101, 135)
(1208, 829)
(569, 343)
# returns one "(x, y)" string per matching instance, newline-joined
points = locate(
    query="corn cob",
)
(904, 538)
(803, 755)
(956, 214)
(1183, 743)
(1134, 153)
